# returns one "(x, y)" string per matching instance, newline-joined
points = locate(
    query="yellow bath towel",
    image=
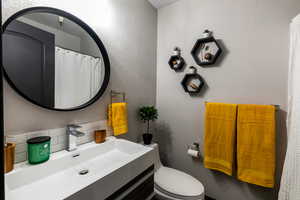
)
(256, 144)
(220, 135)
(117, 118)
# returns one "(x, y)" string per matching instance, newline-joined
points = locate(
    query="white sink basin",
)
(113, 164)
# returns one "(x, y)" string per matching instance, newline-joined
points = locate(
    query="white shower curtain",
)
(290, 181)
(77, 78)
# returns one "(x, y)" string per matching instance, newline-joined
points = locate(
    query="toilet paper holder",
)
(195, 146)
(194, 150)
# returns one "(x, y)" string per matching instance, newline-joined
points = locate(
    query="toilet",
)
(172, 184)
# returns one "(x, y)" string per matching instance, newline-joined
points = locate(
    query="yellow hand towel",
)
(220, 134)
(117, 118)
(256, 144)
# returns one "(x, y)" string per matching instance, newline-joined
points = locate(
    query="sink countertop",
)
(59, 177)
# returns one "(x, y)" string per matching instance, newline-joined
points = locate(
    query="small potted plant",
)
(147, 114)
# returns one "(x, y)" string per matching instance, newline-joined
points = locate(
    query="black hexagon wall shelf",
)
(176, 63)
(192, 83)
(206, 51)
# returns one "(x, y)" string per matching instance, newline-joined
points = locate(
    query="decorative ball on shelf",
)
(208, 56)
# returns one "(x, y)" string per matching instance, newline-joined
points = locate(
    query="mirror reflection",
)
(52, 61)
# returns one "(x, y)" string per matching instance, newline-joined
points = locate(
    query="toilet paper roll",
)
(193, 153)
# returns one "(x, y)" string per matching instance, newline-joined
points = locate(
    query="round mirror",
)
(53, 59)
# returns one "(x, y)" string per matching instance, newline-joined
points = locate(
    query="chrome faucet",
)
(72, 135)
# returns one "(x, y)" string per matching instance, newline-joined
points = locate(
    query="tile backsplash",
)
(58, 138)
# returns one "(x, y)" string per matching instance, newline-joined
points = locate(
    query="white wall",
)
(255, 36)
(128, 31)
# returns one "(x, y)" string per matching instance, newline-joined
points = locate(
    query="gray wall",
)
(128, 30)
(255, 36)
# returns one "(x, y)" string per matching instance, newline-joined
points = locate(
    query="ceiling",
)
(161, 3)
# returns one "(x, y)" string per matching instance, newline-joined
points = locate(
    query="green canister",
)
(38, 149)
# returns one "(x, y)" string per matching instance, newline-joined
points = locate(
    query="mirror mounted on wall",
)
(53, 59)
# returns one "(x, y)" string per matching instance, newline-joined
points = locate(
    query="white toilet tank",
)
(157, 163)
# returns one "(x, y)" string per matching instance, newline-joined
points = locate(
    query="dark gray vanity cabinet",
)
(29, 53)
(140, 187)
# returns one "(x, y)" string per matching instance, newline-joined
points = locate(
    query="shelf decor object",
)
(176, 62)
(207, 50)
(192, 82)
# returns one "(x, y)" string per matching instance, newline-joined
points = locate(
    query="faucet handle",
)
(73, 126)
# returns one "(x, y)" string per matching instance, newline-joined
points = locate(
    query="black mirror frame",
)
(83, 25)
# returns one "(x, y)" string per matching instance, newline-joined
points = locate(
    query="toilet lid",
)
(176, 182)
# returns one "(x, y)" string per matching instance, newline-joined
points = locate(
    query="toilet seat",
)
(177, 184)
